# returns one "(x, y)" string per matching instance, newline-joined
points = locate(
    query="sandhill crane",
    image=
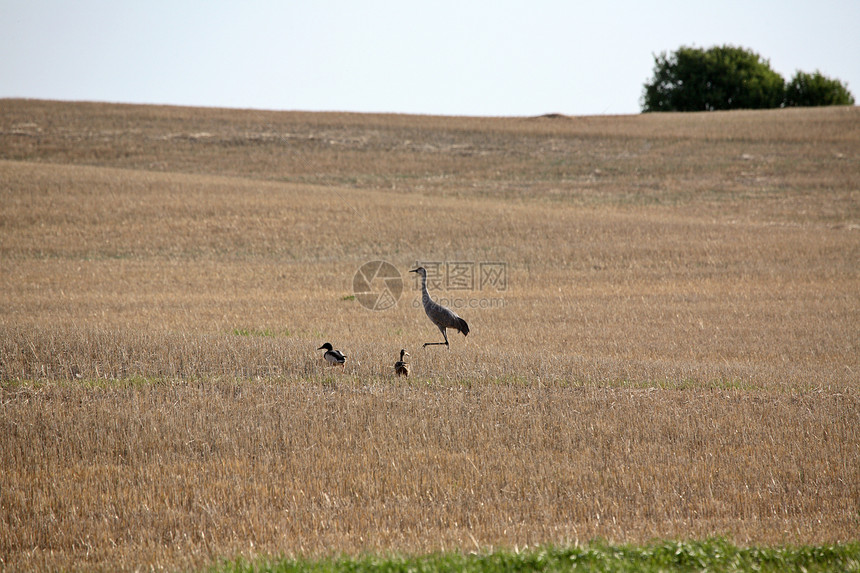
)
(401, 367)
(442, 317)
(334, 357)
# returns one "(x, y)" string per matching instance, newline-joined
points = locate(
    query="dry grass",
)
(676, 353)
(180, 472)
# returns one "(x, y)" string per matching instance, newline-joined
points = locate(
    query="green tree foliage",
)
(816, 89)
(728, 77)
(722, 77)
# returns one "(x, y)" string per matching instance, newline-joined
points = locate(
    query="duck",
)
(332, 356)
(401, 367)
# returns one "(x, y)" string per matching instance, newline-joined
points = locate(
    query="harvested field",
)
(664, 313)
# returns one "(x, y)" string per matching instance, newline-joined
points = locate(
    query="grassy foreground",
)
(715, 555)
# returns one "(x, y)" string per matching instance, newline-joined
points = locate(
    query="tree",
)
(722, 77)
(816, 89)
(727, 77)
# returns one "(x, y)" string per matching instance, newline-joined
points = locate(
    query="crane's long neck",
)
(425, 295)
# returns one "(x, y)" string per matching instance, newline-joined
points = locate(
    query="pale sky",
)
(439, 57)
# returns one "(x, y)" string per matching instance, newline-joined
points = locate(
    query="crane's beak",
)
(414, 271)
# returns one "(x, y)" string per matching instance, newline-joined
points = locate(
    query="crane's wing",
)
(446, 318)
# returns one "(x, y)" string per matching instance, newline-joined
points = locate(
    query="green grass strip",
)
(713, 555)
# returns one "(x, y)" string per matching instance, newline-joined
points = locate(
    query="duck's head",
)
(326, 346)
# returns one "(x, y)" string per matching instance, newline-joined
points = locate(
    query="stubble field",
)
(673, 351)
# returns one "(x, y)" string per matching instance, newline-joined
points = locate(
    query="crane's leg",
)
(445, 334)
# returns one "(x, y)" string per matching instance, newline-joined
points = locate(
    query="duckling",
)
(401, 367)
(334, 357)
